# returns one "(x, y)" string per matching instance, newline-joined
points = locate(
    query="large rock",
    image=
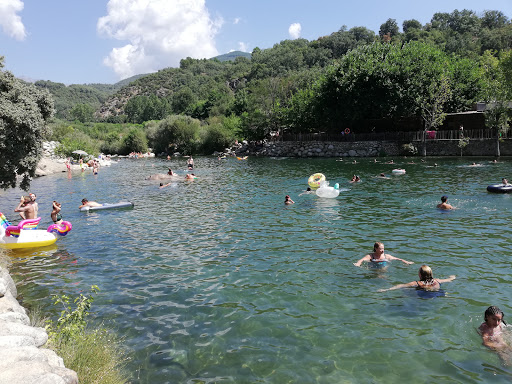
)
(16, 329)
(48, 166)
(8, 282)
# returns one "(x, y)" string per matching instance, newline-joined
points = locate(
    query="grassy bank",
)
(94, 353)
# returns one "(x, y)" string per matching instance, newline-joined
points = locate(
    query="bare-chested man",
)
(87, 203)
(26, 208)
(444, 203)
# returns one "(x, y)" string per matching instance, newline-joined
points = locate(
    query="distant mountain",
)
(231, 56)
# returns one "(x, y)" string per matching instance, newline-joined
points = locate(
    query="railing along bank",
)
(396, 136)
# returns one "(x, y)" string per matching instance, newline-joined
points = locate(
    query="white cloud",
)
(159, 34)
(242, 46)
(10, 21)
(294, 30)
(236, 21)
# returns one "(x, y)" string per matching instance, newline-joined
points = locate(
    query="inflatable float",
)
(121, 204)
(398, 171)
(326, 191)
(26, 234)
(500, 188)
(315, 180)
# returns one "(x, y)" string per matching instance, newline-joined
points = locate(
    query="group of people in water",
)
(28, 208)
(491, 330)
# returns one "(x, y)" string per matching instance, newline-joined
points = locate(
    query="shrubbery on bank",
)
(176, 133)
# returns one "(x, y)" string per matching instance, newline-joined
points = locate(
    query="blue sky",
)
(102, 41)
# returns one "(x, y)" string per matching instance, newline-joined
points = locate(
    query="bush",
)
(95, 355)
(179, 132)
(77, 140)
(215, 138)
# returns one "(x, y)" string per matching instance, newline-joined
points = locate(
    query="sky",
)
(105, 41)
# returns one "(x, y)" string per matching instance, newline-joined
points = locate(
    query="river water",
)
(216, 280)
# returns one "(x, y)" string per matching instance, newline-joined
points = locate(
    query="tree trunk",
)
(497, 143)
(424, 149)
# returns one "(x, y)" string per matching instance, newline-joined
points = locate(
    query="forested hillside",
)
(88, 96)
(341, 80)
(277, 78)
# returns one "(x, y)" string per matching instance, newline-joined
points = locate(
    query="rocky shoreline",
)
(22, 356)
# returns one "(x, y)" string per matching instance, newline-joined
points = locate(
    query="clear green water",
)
(216, 280)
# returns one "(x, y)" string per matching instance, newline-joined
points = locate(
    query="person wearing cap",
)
(288, 200)
(444, 203)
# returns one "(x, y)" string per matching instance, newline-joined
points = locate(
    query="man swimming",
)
(444, 203)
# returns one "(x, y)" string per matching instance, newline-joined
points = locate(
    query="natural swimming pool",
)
(216, 280)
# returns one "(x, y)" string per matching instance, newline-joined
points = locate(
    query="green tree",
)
(135, 141)
(24, 113)
(82, 113)
(183, 100)
(175, 133)
(390, 27)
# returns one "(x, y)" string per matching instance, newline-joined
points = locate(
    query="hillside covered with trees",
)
(336, 81)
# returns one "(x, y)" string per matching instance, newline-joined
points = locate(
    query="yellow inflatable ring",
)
(315, 180)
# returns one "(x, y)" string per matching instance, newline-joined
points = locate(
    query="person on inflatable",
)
(378, 256)
(444, 203)
(426, 281)
(505, 182)
(87, 203)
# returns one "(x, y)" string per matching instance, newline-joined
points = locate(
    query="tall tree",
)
(24, 112)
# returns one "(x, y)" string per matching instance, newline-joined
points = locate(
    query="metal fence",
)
(398, 136)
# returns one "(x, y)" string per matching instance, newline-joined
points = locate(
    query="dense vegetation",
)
(24, 113)
(346, 79)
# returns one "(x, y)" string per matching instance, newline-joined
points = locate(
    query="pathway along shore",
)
(22, 356)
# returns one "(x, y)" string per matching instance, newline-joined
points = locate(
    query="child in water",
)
(492, 328)
(55, 215)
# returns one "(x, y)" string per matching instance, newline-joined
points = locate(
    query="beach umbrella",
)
(80, 152)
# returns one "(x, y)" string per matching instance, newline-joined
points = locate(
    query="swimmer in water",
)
(378, 256)
(426, 281)
(288, 200)
(494, 335)
(162, 185)
(308, 191)
(444, 203)
(492, 328)
(505, 182)
(382, 176)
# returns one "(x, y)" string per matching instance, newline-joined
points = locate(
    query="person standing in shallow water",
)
(378, 256)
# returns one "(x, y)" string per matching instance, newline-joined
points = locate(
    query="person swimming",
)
(379, 256)
(492, 328)
(444, 203)
(288, 200)
(426, 281)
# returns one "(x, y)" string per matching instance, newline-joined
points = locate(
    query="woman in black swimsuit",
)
(426, 281)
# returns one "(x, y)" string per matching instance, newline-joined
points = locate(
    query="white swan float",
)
(326, 191)
(26, 234)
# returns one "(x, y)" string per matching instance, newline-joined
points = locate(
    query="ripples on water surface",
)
(216, 280)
